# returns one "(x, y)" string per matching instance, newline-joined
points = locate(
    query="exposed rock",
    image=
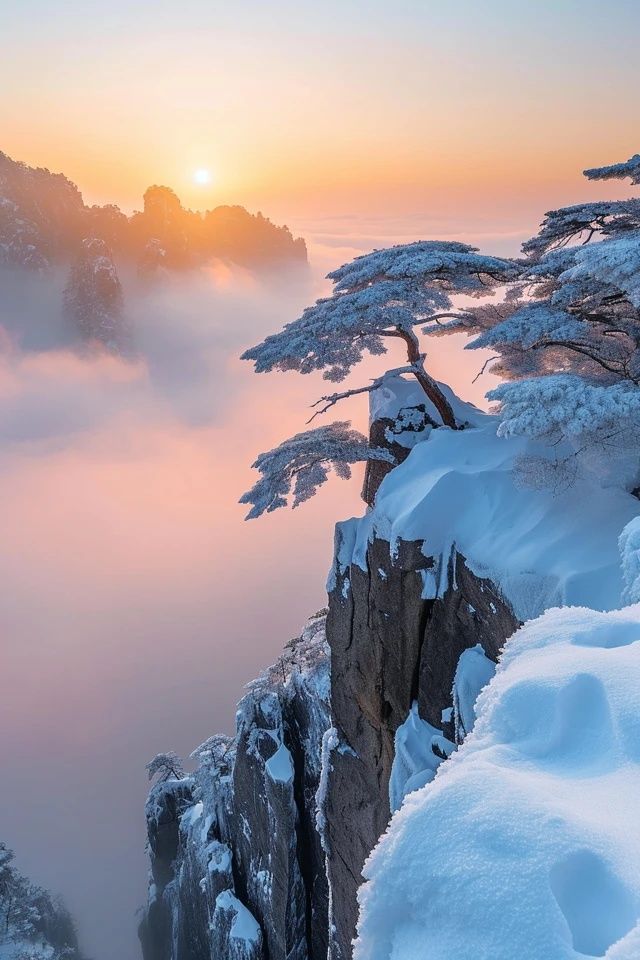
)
(166, 804)
(275, 830)
(390, 647)
(234, 847)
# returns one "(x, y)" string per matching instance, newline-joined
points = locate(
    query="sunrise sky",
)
(305, 108)
(136, 601)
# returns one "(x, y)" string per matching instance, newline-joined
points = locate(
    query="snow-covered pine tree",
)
(93, 296)
(167, 766)
(32, 923)
(565, 334)
(380, 296)
(567, 337)
(303, 463)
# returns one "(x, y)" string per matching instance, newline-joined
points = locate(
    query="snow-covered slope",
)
(527, 843)
(465, 491)
(491, 545)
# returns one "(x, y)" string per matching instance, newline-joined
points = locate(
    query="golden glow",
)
(202, 177)
(413, 108)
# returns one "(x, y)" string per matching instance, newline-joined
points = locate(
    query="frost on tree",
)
(567, 335)
(93, 296)
(166, 766)
(383, 295)
(562, 325)
(296, 468)
(617, 171)
(379, 297)
(32, 923)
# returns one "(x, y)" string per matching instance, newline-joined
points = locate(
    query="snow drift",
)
(467, 492)
(526, 844)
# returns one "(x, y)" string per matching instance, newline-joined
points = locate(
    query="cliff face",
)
(425, 590)
(276, 825)
(237, 867)
(392, 648)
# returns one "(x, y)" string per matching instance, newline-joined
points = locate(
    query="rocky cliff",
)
(237, 866)
(271, 833)
(391, 649)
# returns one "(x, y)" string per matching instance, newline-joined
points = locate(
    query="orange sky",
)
(488, 109)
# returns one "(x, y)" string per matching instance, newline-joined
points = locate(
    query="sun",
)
(202, 176)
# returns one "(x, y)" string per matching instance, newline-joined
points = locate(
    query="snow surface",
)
(527, 843)
(474, 671)
(280, 765)
(463, 490)
(414, 761)
(244, 926)
(397, 394)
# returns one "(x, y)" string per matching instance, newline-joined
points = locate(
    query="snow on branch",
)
(457, 266)
(376, 296)
(298, 466)
(325, 403)
(335, 333)
(615, 263)
(581, 222)
(167, 765)
(529, 326)
(564, 406)
(617, 171)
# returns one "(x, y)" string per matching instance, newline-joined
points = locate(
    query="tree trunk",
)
(428, 384)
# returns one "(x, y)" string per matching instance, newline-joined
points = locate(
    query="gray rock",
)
(243, 843)
(272, 829)
(389, 648)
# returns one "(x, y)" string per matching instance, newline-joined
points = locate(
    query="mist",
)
(137, 602)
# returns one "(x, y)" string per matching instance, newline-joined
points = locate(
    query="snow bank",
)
(474, 671)
(280, 766)
(244, 925)
(415, 762)
(527, 843)
(630, 554)
(398, 394)
(463, 490)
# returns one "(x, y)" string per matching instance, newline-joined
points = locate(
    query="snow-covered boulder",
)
(527, 842)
